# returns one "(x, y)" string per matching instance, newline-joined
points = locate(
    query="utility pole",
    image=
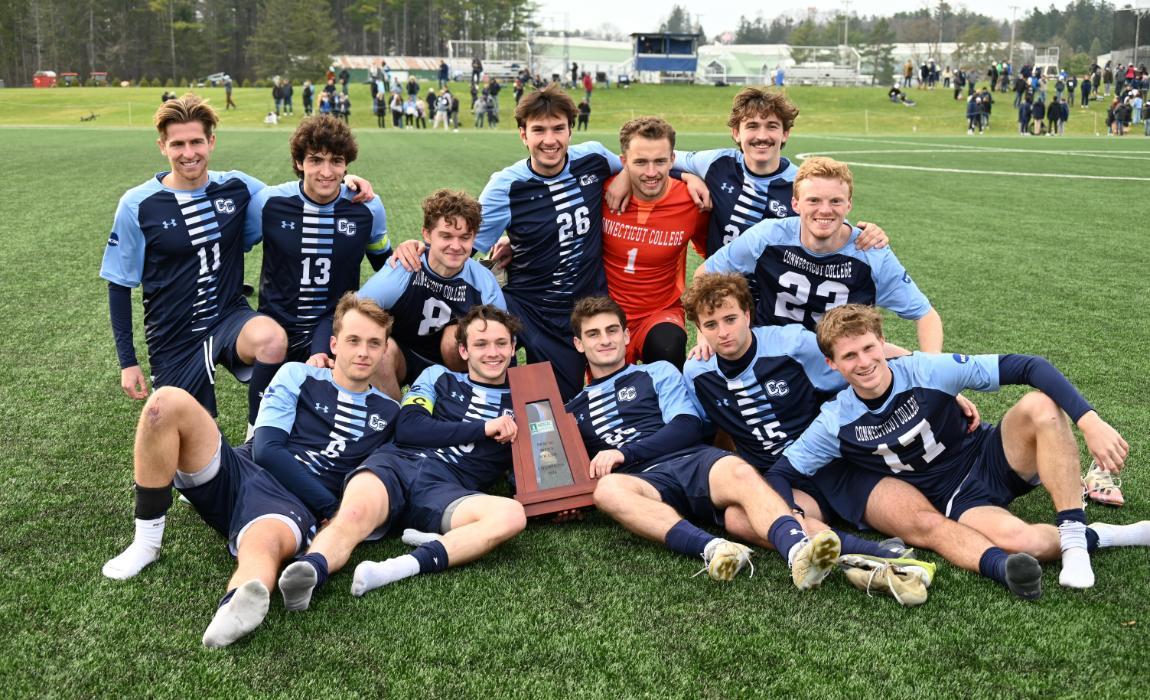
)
(1013, 21)
(846, 22)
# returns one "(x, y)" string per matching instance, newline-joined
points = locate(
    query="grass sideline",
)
(1053, 266)
(691, 108)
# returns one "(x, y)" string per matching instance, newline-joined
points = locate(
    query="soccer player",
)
(898, 419)
(657, 479)
(763, 387)
(178, 443)
(181, 236)
(429, 300)
(314, 237)
(645, 247)
(541, 220)
(808, 264)
(745, 185)
(454, 441)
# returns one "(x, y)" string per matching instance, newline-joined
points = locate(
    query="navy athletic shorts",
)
(683, 482)
(233, 492)
(548, 336)
(990, 481)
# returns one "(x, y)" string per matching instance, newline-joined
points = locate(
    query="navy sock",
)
(687, 539)
(993, 564)
(152, 503)
(1076, 515)
(1091, 540)
(262, 375)
(226, 598)
(319, 563)
(852, 544)
(784, 534)
(432, 557)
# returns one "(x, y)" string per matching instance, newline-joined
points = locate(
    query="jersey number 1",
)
(931, 448)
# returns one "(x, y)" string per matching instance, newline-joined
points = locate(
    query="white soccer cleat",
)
(815, 560)
(725, 560)
(1101, 486)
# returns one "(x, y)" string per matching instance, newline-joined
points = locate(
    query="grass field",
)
(1052, 265)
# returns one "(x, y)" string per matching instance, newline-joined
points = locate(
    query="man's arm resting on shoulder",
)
(929, 329)
(269, 450)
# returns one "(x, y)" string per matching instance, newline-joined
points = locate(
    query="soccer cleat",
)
(1024, 576)
(815, 559)
(905, 580)
(726, 560)
(897, 548)
(1101, 486)
(239, 616)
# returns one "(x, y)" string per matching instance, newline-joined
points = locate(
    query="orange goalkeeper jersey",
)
(645, 249)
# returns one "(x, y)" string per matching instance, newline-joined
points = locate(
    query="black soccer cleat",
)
(1024, 576)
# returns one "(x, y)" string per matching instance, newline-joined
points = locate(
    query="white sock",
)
(414, 538)
(370, 575)
(144, 550)
(1133, 535)
(1076, 571)
(297, 583)
(239, 616)
(709, 549)
(794, 550)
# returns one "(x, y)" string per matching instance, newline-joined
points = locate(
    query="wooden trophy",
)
(551, 464)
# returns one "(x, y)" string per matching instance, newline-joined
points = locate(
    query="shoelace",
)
(707, 565)
(1100, 480)
(887, 571)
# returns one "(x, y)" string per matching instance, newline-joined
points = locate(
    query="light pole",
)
(1013, 20)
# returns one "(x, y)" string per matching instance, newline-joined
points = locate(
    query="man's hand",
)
(133, 383)
(973, 419)
(408, 254)
(362, 188)
(1105, 444)
(701, 352)
(501, 429)
(618, 195)
(321, 360)
(697, 188)
(501, 252)
(604, 462)
(871, 236)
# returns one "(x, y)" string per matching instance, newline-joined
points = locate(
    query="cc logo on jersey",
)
(778, 209)
(345, 227)
(376, 422)
(777, 388)
(627, 393)
(225, 206)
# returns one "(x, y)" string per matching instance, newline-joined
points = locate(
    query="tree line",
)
(185, 40)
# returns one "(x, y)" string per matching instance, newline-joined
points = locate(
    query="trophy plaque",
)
(551, 464)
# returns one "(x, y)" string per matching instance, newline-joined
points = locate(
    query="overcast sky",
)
(717, 16)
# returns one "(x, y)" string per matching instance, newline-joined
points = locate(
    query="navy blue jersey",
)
(772, 401)
(423, 303)
(630, 405)
(312, 252)
(798, 286)
(187, 249)
(739, 198)
(919, 434)
(555, 225)
(452, 398)
(330, 430)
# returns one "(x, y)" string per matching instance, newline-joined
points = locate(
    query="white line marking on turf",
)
(963, 171)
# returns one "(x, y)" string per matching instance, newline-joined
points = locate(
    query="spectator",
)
(410, 110)
(420, 113)
(1085, 88)
(381, 109)
(492, 111)
(412, 87)
(432, 102)
(987, 104)
(325, 103)
(584, 115)
(1038, 113)
(474, 95)
(493, 88)
(1063, 115)
(396, 105)
(1107, 79)
(329, 88)
(231, 104)
(588, 86)
(908, 74)
(517, 89)
(973, 114)
(443, 73)
(1136, 104)
(277, 94)
(1024, 112)
(476, 71)
(479, 106)
(308, 97)
(287, 94)
(574, 73)
(946, 76)
(344, 76)
(442, 112)
(453, 116)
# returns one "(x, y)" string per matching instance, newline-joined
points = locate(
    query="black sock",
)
(152, 503)
(262, 375)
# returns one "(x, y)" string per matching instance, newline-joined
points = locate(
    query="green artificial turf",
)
(1053, 266)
